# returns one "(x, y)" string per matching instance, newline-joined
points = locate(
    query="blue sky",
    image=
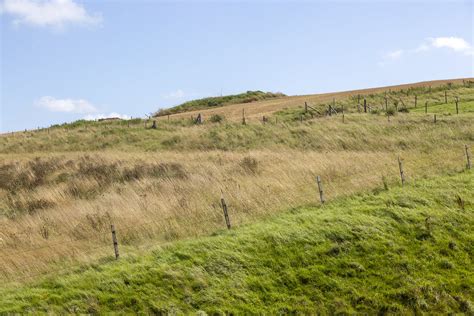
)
(63, 60)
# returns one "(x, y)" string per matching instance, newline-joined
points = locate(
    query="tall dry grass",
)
(161, 209)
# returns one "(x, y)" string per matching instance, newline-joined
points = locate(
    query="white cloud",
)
(455, 43)
(110, 115)
(65, 105)
(178, 94)
(52, 13)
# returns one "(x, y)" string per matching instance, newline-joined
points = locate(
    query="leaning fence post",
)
(226, 215)
(402, 174)
(320, 188)
(114, 240)
(468, 157)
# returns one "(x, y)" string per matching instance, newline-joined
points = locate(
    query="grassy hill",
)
(212, 102)
(399, 251)
(61, 187)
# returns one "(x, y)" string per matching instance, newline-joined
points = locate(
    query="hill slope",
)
(255, 110)
(212, 102)
(405, 250)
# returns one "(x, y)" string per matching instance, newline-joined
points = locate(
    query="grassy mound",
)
(247, 97)
(397, 250)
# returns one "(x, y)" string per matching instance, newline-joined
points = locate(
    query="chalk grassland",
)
(61, 188)
(391, 251)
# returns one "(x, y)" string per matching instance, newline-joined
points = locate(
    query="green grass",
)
(402, 251)
(449, 108)
(199, 104)
(403, 100)
(360, 132)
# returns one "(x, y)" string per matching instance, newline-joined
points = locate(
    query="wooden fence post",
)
(402, 174)
(365, 105)
(114, 240)
(305, 107)
(445, 97)
(468, 157)
(243, 117)
(342, 118)
(226, 215)
(416, 99)
(457, 105)
(434, 119)
(426, 107)
(320, 188)
(386, 104)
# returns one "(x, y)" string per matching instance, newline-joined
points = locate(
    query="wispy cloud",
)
(94, 117)
(397, 54)
(455, 44)
(48, 13)
(65, 105)
(178, 94)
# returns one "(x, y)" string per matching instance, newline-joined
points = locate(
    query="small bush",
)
(216, 118)
(249, 165)
(390, 112)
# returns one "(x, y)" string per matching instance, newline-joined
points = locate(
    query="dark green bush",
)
(216, 118)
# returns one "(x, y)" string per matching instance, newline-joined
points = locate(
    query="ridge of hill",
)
(212, 102)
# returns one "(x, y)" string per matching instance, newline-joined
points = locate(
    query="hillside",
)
(62, 187)
(212, 102)
(399, 250)
(256, 110)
